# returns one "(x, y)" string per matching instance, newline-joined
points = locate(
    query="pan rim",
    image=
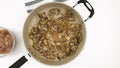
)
(50, 62)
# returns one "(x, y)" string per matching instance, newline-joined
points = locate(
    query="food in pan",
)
(56, 35)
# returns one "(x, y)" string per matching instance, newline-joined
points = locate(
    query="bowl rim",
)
(13, 42)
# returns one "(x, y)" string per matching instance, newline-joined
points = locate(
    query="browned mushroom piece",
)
(78, 27)
(63, 38)
(51, 11)
(72, 43)
(50, 16)
(44, 53)
(71, 19)
(35, 30)
(79, 37)
(57, 43)
(71, 33)
(36, 40)
(72, 26)
(58, 11)
(43, 20)
(61, 55)
(35, 47)
(69, 13)
(31, 36)
(41, 52)
(51, 56)
(55, 26)
(45, 41)
(44, 15)
(39, 15)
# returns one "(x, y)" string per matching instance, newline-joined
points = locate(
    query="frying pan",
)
(31, 20)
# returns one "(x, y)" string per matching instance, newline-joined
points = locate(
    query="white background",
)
(102, 46)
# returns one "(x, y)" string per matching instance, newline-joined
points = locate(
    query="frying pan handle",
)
(90, 9)
(19, 62)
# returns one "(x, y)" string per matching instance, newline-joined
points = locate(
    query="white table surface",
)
(102, 46)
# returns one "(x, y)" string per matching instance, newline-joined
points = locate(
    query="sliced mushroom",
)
(69, 13)
(72, 44)
(39, 15)
(50, 16)
(78, 27)
(44, 14)
(51, 11)
(57, 43)
(71, 19)
(74, 48)
(52, 57)
(35, 47)
(55, 26)
(36, 40)
(79, 37)
(31, 36)
(57, 11)
(43, 20)
(71, 33)
(45, 41)
(35, 30)
(61, 55)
